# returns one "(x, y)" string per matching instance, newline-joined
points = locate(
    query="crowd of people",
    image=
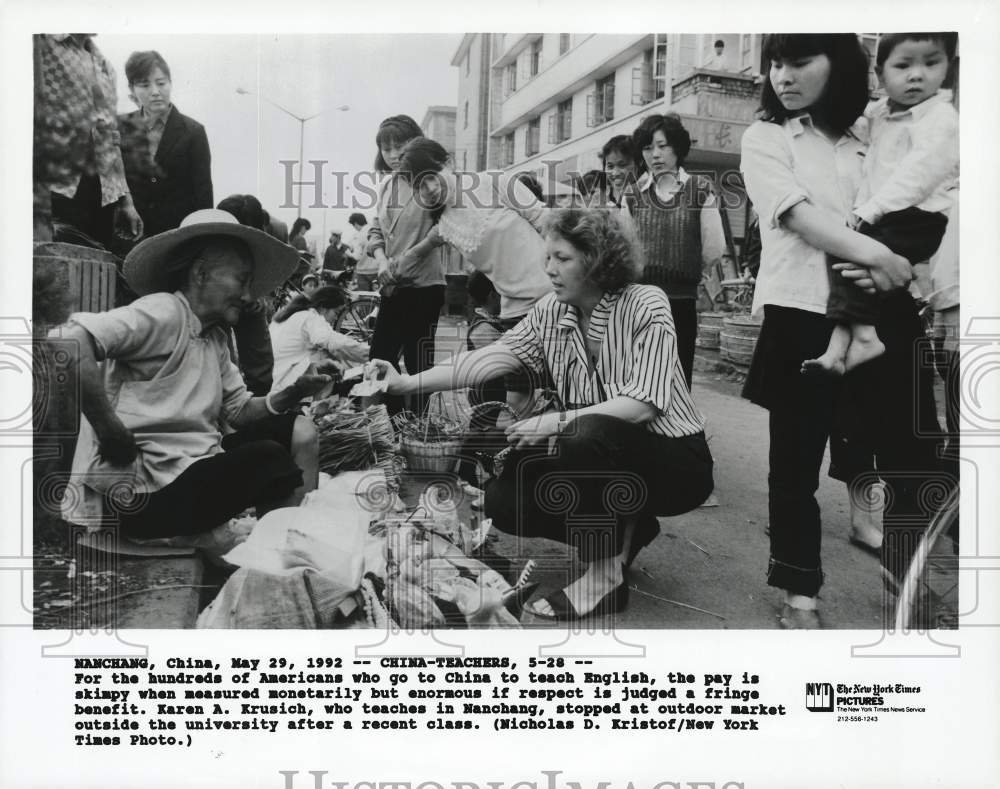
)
(199, 383)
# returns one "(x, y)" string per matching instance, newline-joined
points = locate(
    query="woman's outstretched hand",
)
(381, 370)
(533, 431)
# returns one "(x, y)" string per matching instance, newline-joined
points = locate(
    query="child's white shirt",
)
(912, 158)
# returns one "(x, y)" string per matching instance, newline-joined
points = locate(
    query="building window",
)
(601, 103)
(746, 51)
(507, 150)
(535, 64)
(509, 79)
(561, 122)
(468, 63)
(533, 138)
(563, 43)
(465, 115)
(645, 86)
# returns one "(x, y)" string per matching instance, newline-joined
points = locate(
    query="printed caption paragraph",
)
(139, 702)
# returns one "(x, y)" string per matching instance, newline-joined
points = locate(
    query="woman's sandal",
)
(563, 610)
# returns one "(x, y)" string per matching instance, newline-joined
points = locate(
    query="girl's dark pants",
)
(407, 322)
(890, 402)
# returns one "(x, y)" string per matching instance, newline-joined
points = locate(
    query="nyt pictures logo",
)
(819, 697)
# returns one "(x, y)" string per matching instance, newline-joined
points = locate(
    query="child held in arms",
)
(912, 162)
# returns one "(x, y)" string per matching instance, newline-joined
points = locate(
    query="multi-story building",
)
(547, 102)
(439, 125)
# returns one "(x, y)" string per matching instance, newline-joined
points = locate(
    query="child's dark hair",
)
(357, 218)
(846, 93)
(889, 41)
(670, 124)
(302, 224)
(141, 64)
(398, 129)
(328, 297)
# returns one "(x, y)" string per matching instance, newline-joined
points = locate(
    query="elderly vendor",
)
(152, 454)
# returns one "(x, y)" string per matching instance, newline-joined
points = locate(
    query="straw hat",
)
(147, 267)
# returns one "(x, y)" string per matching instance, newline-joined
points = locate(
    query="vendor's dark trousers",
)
(886, 394)
(406, 324)
(603, 469)
(686, 326)
(912, 233)
(255, 469)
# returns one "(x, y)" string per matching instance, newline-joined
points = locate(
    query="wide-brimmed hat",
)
(147, 267)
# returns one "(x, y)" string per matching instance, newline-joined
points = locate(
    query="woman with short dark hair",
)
(167, 159)
(618, 157)
(677, 219)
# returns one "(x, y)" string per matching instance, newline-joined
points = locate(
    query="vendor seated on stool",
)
(151, 454)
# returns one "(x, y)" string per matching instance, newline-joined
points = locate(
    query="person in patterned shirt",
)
(79, 176)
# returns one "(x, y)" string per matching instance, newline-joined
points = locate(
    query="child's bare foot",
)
(827, 364)
(859, 352)
(832, 360)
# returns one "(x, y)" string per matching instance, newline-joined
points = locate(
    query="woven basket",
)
(438, 457)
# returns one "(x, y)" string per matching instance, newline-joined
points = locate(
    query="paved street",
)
(715, 558)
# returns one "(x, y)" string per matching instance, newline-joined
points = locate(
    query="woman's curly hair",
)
(606, 241)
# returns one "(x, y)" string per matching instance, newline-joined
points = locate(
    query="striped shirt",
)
(638, 358)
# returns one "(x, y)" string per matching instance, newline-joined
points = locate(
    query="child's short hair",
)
(889, 41)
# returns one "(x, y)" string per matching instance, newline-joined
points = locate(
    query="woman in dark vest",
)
(677, 220)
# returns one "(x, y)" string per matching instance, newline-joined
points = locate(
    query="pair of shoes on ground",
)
(562, 609)
(615, 600)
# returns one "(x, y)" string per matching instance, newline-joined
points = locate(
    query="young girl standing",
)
(409, 270)
(802, 167)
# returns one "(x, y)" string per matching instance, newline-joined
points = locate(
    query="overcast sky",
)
(376, 76)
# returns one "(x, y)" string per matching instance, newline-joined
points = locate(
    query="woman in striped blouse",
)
(627, 443)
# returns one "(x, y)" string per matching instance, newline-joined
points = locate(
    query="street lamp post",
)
(302, 130)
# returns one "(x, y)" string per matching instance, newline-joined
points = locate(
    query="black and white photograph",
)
(643, 348)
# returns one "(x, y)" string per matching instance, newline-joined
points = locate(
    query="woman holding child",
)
(802, 164)
(626, 415)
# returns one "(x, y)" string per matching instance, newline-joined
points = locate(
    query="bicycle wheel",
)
(928, 597)
(357, 319)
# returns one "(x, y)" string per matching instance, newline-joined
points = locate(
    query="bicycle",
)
(357, 318)
(928, 595)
